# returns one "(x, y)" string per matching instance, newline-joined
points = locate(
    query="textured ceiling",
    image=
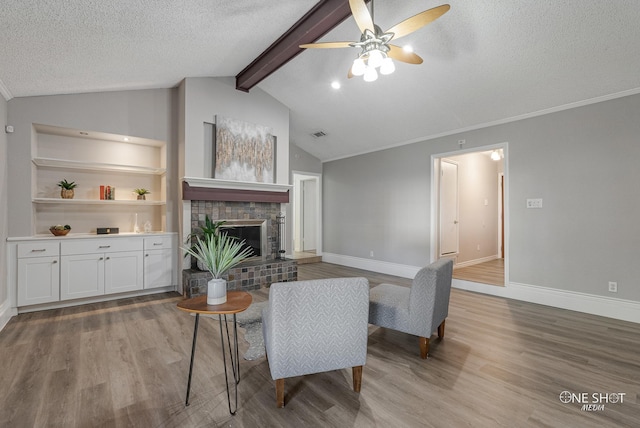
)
(485, 61)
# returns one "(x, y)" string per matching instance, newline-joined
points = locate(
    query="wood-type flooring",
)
(502, 363)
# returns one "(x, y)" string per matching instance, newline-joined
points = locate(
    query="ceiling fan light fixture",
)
(375, 58)
(387, 66)
(370, 75)
(359, 67)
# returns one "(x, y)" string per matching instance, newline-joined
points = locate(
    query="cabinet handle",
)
(39, 251)
(101, 258)
(146, 255)
(55, 261)
(108, 258)
(104, 246)
(157, 243)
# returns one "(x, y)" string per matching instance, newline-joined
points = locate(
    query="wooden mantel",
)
(210, 189)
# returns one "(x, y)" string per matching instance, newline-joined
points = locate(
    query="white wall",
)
(582, 162)
(144, 113)
(207, 97)
(5, 313)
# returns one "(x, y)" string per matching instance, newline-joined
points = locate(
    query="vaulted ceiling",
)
(485, 61)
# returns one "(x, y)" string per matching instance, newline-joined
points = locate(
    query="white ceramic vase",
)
(216, 291)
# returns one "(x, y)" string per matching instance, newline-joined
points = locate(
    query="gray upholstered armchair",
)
(418, 310)
(316, 326)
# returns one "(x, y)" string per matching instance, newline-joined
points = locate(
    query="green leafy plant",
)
(219, 252)
(141, 191)
(60, 227)
(66, 185)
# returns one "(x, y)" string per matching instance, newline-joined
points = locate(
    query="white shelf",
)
(95, 201)
(96, 166)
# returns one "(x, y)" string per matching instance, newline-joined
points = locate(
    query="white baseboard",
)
(625, 310)
(388, 268)
(475, 262)
(6, 312)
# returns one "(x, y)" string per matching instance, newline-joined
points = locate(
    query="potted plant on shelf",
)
(66, 191)
(218, 253)
(141, 193)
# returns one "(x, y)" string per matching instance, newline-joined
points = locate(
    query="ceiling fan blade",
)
(361, 14)
(397, 53)
(418, 21)
(327, 45)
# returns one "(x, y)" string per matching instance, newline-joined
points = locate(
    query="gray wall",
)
(4, 205)
(144, 113)
(583, 162)
(301, 161)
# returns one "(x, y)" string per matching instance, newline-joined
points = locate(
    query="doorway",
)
(307, 215)
(469, 191)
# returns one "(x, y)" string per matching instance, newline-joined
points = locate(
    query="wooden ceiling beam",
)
(317, 22)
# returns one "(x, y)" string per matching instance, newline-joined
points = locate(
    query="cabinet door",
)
(122, 272)
(38, 280)
(158, 268)
(81, 275)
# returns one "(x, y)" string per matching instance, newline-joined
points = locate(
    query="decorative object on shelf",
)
(107, 193)
(60, 230)
(141, 193)
(107, 230)
(136, 228)
(147, 226)
(243, 151)
(66, 191)
(218, 253)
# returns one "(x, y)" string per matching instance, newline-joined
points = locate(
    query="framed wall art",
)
(243, 151)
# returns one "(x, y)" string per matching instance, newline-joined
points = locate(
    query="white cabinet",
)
(38, 273)
(50, 272)
(94, 267)
(158, 262)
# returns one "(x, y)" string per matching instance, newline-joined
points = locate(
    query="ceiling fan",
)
(377, 52)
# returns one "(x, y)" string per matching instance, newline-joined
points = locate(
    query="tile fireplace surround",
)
(252, 274)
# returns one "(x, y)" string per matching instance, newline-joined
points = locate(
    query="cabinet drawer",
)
(100, 246)
(38, 249)
(157, 242)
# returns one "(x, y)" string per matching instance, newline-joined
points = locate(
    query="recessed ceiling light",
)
(126, 138)
(335, 84)
(407, 48)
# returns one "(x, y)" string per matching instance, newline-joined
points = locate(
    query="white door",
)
(38, 280)
(81, 275)
(448, 208)
(309, 195)
(122, 271)
(157, 268)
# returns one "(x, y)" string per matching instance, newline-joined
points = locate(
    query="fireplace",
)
(252, 232)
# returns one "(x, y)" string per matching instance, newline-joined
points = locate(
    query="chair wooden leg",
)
(424, 347)
(441, 330)
(357, 378)
(280, 393)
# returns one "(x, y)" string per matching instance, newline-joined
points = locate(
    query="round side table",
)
(237, 301)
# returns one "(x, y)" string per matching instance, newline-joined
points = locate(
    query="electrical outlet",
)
(534, 203)
(613, 287)
(371, 253)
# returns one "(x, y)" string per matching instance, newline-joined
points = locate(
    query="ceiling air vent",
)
(319, 134)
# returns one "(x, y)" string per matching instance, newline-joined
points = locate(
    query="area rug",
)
(251, 321)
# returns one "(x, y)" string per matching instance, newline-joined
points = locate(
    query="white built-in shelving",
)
(93, 159)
